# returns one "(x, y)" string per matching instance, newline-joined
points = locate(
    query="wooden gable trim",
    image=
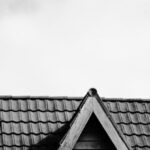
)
(77, 126)
(91, 105)
(105, 119)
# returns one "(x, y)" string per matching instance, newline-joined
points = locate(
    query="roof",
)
(24, 121)
(29, 122)
(132, 117)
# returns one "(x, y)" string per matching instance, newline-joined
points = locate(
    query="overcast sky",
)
(65, 47)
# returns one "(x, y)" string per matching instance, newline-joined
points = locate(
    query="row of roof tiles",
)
(132, 106)
(35, 117)
(62, 117)
(39, 104)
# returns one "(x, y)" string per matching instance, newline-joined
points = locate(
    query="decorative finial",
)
(92, 92)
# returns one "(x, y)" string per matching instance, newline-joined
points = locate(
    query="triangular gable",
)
(92, 104)
(94, 136)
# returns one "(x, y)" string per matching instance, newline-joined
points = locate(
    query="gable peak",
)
(92, 92)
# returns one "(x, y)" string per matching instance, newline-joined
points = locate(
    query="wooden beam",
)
(77, 126)
(108, 126)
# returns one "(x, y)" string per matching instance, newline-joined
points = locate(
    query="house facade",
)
(74, 123)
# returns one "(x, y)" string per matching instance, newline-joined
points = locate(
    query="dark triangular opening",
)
(94, 137)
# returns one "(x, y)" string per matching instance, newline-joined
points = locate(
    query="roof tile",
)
(50, 105)
(147, 107)
(131, 140)
(123, 106)
(22, 104)
(30, 105)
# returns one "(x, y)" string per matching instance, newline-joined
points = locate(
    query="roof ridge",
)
(126, 99)
(113, 99)
(38, 110)
(40, 121)
(40, 97)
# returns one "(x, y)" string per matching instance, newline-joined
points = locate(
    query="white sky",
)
(65, 47)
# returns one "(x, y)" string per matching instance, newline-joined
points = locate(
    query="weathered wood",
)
(77, 126)
(88, 145)
(108, 126)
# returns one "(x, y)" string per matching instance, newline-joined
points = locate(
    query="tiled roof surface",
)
(25, 121)
(132, 116)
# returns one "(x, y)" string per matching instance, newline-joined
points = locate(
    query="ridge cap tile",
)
(105, 99)
(40, 97)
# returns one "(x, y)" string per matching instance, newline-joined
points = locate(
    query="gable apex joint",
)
(92, 92)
